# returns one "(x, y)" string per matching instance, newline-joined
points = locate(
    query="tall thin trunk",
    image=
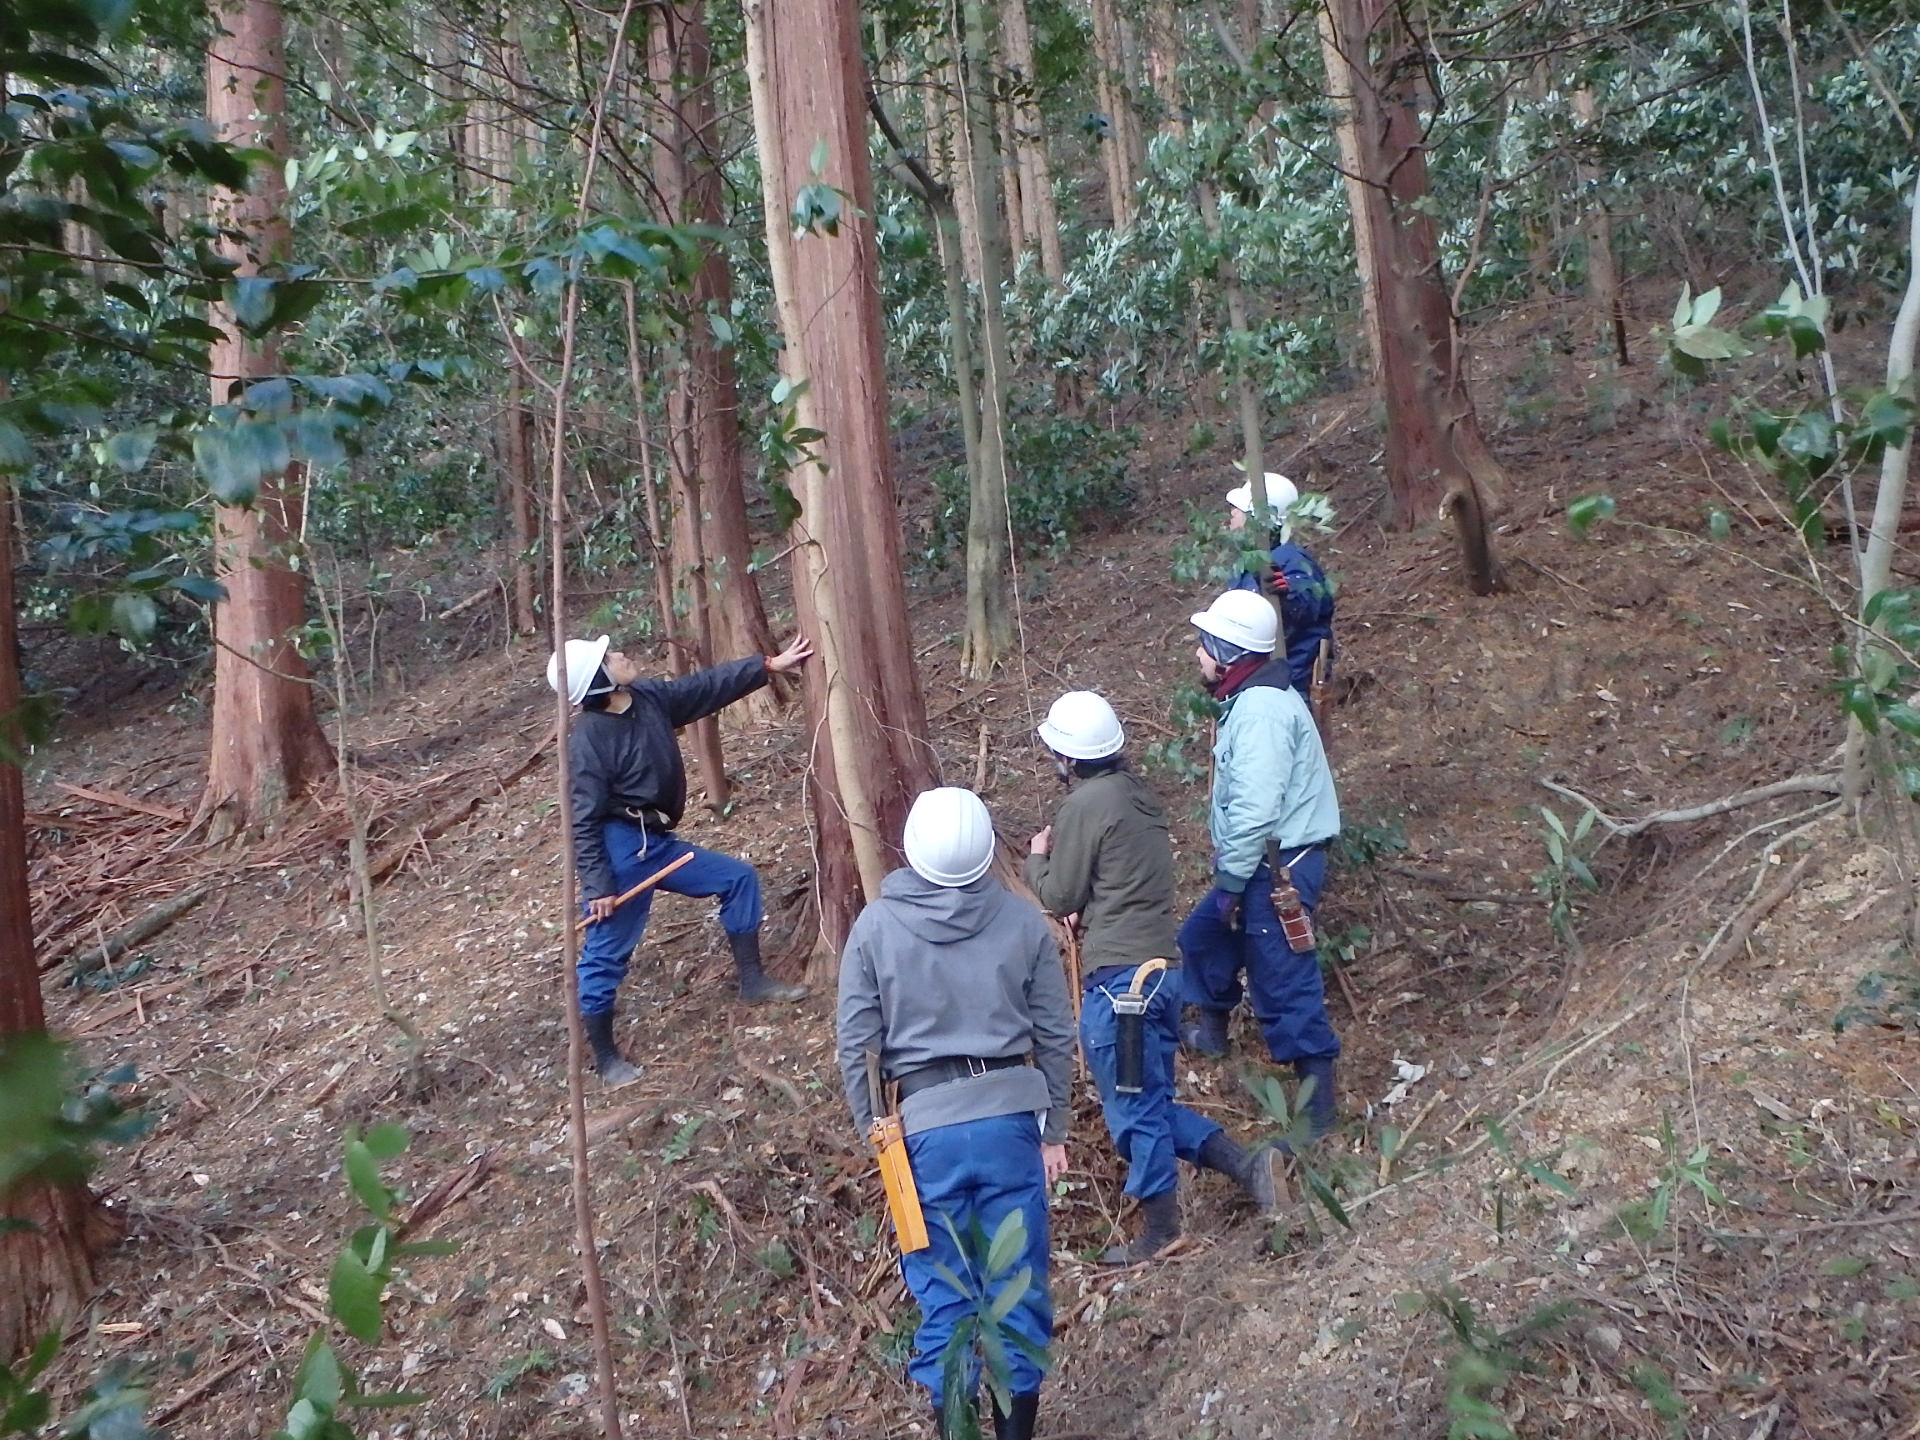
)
(1163, 64)
(1118, 146)
(962, 173)
(687, 429)
(516, 447)
(268, 748)
(1603, 277)
(865, 712)
(1346, 135)
(46, 1265)
(989, 632)
(1020, 238)
(1036, 167)
(739, 615)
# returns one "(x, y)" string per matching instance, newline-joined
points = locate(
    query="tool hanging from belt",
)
(1130, 1027)
(1320, 692)
(1288, 908)
(896, 1169)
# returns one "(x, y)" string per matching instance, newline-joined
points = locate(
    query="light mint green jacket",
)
(1270, 780)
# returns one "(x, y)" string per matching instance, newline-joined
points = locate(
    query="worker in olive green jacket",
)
(1108, 859)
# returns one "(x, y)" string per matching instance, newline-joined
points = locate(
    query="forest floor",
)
(1659, 1178)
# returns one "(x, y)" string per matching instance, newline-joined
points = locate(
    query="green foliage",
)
(515, 1370)
(58, 1115)
(1183, 755)
(325, 1387)
(992, 1287)
(1484, 1359)
(1887, 998)
(56, 1118)
(1363, 844)
(1294, 1130)
(1683, 1169)
(1566, 874)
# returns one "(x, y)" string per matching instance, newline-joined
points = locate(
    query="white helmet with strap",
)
(1082, 726)
(583, 659)
(1281, 493)
(1244, 619)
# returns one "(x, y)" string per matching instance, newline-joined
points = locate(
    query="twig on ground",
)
(1627, 829)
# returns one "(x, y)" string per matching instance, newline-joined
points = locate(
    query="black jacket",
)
(632, 759)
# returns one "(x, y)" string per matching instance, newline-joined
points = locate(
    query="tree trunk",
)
(962, 174)
(1603, 279)
(1239, 338)
(1163, 64)
(687, 431)
(516, 445)
(268, 748)
(1118, 145)
(1036, 167)
(865, 714)
(46, 1272)
(739, 615)
(989, 632)
(1438, 464)
(1346, 135)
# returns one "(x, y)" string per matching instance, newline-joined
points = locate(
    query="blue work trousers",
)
(971, 1176)
(636, 853)
(1287, 990)
(1149, 1129)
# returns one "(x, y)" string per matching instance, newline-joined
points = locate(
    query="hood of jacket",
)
(944, 914)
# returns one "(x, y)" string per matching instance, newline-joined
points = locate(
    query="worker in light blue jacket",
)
(1273, 806)
(1297, 582)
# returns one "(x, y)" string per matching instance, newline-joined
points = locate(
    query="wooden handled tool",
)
(896, 1167)
(645, 885)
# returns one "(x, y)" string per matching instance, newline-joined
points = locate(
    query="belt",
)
(957, 1067)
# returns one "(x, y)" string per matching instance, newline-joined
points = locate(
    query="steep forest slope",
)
(1657, 1175)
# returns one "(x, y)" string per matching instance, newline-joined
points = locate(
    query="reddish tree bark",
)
(46, 1273)
(1438, 463)
(865, 714)
(738, 615)
(268, 748)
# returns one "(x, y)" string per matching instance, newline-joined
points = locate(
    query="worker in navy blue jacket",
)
(629, 790)
(1298, 583)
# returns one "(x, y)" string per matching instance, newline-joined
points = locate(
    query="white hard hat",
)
(583, 663)
(1082, 726)
(949, 839)
(1281, 492)
(1242, 618)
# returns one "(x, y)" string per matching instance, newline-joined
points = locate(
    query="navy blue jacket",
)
(632, 759)
(1306, 608)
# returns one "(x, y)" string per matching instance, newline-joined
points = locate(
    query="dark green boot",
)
(1254, 1171)
(755, 986)
(608, 1063)
(1162, 1229)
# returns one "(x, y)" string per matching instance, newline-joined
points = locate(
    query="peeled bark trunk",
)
(1163, 64)
(1346, 135)
(268, 749)
(961, 172)
(865, 715)
(1438, 463)
(989, 632)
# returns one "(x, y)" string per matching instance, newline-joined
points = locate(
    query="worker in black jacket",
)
(628, 794)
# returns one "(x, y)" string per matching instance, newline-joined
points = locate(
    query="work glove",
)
(1226, 906)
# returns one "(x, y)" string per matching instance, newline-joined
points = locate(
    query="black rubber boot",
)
(1252, 1170)
(1161, 1230)
(1026, 1414)
(1205, 1032)
(1316, 1087)
(608, 1063)
(755, 987)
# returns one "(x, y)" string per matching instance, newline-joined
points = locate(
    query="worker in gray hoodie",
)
(956, 982)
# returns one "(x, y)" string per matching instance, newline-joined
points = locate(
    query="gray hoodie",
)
(932, 972)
